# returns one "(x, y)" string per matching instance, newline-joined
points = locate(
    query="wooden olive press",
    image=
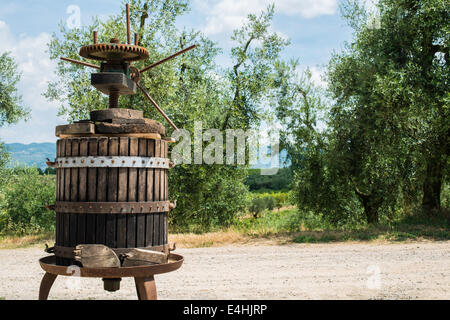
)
(112, 179)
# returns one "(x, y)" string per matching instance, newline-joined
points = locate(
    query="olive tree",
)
(396, 73)
(11, 107)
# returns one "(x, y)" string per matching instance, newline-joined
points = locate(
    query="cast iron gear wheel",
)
(114, 51)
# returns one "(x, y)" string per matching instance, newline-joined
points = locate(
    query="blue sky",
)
(313, 26)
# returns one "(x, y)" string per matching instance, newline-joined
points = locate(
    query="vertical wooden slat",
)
(150, 172)
(141, 196)
(167, 172)
(166, 196)
(62, 181)
(161, 196)
(91, 219)
(156, 196)
(122, 196)
(74, 194)
(74, 172)
(82, 193)
(132, 189)
(67, 153)
(165, 228)
(164, 171)
(82, 190)
(101, 192)
(58, 142)
(111, 219)
(58, 197)
(65, 185)
(59, 220)
(149, 197)
(62, 153)
(62, 171)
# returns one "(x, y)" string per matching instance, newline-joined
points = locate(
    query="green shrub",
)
(281, 199)
(23, 203)
(257, 205)
(3, 220)
(269, 202)
(208, 197)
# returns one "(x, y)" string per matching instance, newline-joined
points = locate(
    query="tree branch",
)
(237, 92)
(144, 17)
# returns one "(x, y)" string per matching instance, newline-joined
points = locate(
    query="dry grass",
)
(185, 240)
(191, 240)
(229, 237)
(14, 242)
(277, 228)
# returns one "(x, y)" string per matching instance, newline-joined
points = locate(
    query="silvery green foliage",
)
(11, 107)
(386, 141)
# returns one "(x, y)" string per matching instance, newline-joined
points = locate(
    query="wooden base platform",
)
(143, 275)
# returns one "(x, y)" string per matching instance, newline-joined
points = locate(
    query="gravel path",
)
(419, 270)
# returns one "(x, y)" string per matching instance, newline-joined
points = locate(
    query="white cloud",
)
(307, 8)
(36, 69)
(226, 15)
(317, 76)
(370, 5)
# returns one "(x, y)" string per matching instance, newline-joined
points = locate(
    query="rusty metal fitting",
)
(50, 164)
(135, 74)
(114, 51)
(49, 250)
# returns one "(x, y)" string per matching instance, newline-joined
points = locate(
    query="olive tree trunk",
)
(431, 200)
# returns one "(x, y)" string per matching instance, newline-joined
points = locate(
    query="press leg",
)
(46, 284)
(146, 288)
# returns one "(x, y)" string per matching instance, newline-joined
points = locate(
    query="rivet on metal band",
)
(112, 162)
(112, 207)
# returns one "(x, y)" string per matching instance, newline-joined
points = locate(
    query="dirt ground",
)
(418, 270)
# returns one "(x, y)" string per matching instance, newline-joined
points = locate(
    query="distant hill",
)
(33, 154)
